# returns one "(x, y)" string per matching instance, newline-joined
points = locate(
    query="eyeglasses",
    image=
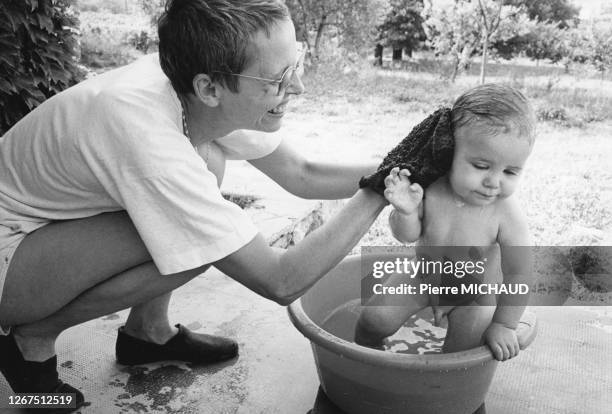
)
(286, 78)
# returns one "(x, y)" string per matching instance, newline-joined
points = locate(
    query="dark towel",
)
(427, 152)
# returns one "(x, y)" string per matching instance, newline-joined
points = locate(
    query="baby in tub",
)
(471, 205)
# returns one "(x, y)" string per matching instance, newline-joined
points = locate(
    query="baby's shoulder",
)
(508, 208)
(437, 189)
(513, 226)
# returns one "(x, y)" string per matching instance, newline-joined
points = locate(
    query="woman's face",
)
(257, 104)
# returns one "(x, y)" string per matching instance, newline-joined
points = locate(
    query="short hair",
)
(500, 107)
(212, 36)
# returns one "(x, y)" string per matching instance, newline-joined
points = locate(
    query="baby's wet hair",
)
(499, 108)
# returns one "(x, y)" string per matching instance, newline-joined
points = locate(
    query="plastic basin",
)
(361, 380)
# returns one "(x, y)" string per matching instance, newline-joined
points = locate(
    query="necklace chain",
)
(188, 135)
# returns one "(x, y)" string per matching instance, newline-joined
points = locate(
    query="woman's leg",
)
(149, 320)
(69, 272)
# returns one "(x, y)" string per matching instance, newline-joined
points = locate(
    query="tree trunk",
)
(319, 36)
(485, 50)
(378, 55)
(397, 54)
(455, 69)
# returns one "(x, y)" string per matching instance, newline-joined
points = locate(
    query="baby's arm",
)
(516, 262)
(406, 198)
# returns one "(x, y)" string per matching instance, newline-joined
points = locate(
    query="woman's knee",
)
(56, 263)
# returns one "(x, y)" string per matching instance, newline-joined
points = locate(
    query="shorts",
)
(8, 245)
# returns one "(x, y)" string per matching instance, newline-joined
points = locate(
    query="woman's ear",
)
(206, 90)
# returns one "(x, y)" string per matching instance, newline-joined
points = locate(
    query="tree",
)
(600, 47)
(545, 41)
(38, 54)
(490, 18)
(402, 28)
(153, 9)
(353, 22)
(559, 13)
(460, 28)
(574, 47)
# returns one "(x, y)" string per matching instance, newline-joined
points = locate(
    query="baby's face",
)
(487, 168)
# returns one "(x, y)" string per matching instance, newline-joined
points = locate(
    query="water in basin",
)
(418, 335)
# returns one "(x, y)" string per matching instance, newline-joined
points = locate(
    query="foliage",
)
(353, 22)
(243, 201)
(403, 25)
(153, 9)
(551, 114)
(559, 12)
(38, 50)
(456, 29)
(545, 41)
(599, 45)
(111, 40)
(574, 46)
(111, 6)
(549, 14)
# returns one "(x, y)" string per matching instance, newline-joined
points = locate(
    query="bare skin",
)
(73, 271)
(470, 206)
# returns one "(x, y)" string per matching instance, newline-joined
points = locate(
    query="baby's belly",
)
(453, 273)
(480, 262)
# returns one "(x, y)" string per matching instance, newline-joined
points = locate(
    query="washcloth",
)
(427, 152)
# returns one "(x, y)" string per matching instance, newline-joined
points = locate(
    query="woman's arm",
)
(284, 275)
(312, 180)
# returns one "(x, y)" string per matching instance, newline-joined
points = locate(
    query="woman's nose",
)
(296, 86)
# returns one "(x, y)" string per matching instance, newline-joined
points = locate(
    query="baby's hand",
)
(403, 195)
(502, 341)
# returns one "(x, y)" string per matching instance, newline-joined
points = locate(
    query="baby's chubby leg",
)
(466, 324)
(384, 314)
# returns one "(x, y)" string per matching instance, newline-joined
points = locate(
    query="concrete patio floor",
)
(567, 370)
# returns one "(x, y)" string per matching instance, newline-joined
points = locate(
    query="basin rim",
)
(430, 362)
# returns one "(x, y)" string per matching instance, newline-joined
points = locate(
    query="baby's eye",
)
(480, 166)
(511, 172)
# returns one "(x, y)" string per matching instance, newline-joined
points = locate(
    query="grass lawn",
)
(352, 111)
(566, 189)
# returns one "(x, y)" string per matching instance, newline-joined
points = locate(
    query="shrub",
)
(243, 201)
(109, 40)
(551, 114)
(38, 55)
(112, 6)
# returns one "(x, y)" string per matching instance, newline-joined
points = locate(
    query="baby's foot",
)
(401, 193)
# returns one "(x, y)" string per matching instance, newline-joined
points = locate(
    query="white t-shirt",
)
(115, 142)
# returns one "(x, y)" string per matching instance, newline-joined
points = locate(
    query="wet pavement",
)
(567, 370)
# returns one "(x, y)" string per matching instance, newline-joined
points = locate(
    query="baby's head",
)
(494, 130)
